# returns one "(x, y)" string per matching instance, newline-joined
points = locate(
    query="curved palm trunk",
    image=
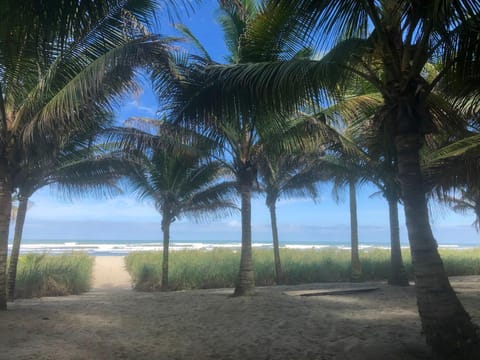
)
(356, 273)
(447, 326)
(5, 210)
(276, 247)
(17, 239)
(398, 275)
(166, 243)
(246, 280)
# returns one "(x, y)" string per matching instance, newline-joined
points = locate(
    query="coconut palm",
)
(388, 44)
(360, 154)
(344, 171)
(372, 151)
(452, 172)
(382, 172)
(360, 168)
(345, 164)
(16, 206)
(237, 134)
(77, 170)
(467, 201)
(58, 60)
(180, 183)
(376, 163)
(284, 176)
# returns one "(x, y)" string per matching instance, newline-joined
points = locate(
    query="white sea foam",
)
(99, 248)
(125, 248)
(305, 247)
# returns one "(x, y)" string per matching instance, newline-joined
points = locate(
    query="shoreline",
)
(123, 249)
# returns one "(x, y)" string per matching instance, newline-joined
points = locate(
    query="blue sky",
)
(125, 218)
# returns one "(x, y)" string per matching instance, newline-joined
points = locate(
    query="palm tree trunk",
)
(356, 273)
(276, 247)
(166, 243)
(246, 281)
(446, 325)
(17, 239)
(398, 275)
(5, 210)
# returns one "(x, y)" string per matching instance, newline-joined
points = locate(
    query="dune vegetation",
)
(217, 268)
(53, 275)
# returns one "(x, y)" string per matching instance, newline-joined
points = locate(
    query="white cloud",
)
(234, 224)
(142, 109)
(117, 209)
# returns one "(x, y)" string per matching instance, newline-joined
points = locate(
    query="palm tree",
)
(452, 172)
(383, 174)
(363, 165)
(347, 162)
(388, 44)
(20, 216)
(237, 134)
(77, 169)
(379, 166)
(19, 210)
(469, 200)
(372, 151)
(59, 59)
(285, 175)
(180, 182)
(340, 168)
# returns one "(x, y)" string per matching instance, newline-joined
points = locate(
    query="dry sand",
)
(109, 273)
(114, 322)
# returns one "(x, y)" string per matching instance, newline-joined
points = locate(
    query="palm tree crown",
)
(180, 179)
(60, 60)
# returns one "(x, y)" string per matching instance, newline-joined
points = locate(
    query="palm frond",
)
(103, 79)
(185, 31)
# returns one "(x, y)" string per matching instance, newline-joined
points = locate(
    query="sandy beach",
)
(109, 273)
(114, 322)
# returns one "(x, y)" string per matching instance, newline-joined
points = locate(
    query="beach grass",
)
(53, 275)
(217, 268)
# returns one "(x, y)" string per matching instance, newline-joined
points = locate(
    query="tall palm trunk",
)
(276, 247)
(166, 243)
(5, 210)
(246, 280)
(17, 239)
(356, 273)
(447, 326)
(398, 275)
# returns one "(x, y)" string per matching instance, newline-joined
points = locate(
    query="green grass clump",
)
(188, 269)
(461, 262)
(201, 269)
(53, 275)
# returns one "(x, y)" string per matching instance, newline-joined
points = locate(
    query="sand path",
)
(109, 273)
(115, 323)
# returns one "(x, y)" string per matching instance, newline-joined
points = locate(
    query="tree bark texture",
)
(356, 272)
(398, 275)
(246, 281)
(276, 246)
(5, 210)
(166, 244)
(17, 239)
(446, 325)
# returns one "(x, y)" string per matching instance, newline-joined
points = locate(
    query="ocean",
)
(123, 247)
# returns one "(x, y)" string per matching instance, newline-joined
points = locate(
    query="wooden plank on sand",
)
(340, 291)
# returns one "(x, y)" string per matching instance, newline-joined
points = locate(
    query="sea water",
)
(123, 247)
